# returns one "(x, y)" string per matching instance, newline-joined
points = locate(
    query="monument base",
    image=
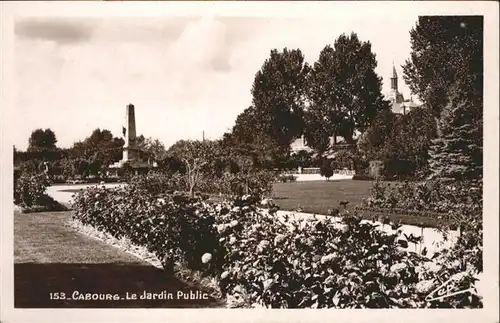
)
(134, 166)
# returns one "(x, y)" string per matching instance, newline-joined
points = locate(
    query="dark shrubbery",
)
(285, 178)
(30, 189)
(257, 182)
(432, 196)
(326, 169)
(30, 193)
(175, 228)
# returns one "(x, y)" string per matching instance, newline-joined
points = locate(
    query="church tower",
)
(394, 96)
(394, 79)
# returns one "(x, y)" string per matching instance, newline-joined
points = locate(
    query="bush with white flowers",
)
(260, 260)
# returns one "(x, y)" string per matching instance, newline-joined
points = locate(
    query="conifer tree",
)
(456, 154)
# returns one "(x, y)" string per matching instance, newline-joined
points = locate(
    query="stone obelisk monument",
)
(130, 151)
(132, 155)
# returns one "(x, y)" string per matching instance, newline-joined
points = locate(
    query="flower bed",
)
(430, 196)
(261, 260)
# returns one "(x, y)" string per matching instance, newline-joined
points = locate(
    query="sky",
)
(185, 75)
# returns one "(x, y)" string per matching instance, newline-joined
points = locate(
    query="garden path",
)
(50, 257)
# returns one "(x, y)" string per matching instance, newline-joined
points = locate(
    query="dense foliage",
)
(400, 142)
(278, 96)
(42, 139)
(446, 50)
(258, 183)
(261, 258)
(30, 190)
(326, 169)
(456, 153)
(459, 203)
(286, 178)
(344, 91)
(30, 193)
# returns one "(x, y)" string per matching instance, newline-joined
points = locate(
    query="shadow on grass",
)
(34, 283)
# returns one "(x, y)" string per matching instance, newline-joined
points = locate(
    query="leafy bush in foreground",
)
(176, 228)
(29, 190)
(30, 193)
(460, 204)
(261, 258)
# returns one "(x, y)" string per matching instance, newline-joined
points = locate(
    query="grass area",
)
(50, 257)
(320, 196)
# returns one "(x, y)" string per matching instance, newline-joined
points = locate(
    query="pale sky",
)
(184, 75)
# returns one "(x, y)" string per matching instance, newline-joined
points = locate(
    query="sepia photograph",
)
(243, 160)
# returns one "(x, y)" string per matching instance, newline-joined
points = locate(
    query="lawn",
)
(320, 196)
(50, 257)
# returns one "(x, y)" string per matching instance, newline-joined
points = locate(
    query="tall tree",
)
(401, 141)
(414, 137)
(42, 139)
(344, 92)
(446, 50)
(100, 148)
(278, 95)
(373, 141)
(455, 154)
(446, 70)
(251, 140)
(153, 148)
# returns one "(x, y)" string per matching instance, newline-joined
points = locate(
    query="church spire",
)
(394, 78)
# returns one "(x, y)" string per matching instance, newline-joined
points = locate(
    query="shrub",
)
(176, 228)
(434, 196)
(30, 193)
(326, 169)
(159, 184)
(459, 204)
(285, 178)
(260, 258)
(29, 190)
(256, 182)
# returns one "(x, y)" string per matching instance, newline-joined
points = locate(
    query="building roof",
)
(394, 73)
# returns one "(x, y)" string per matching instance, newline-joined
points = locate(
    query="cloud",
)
(184, 74)
(59, 30)
(140, 30)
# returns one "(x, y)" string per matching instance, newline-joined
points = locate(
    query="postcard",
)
(249, 161)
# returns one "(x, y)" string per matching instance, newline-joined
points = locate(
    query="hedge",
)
(261, 259)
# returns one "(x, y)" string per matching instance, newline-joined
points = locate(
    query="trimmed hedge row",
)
(261, 259)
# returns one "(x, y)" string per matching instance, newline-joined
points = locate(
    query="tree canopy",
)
(446, 50)
(42, 139)
(278, 94)
(344, 92)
